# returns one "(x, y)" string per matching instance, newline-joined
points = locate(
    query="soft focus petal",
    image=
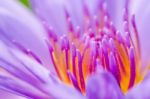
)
(75, 11)
(103, 86)
(6, 95)
(52, 13)
(61, 91)
(14, 75)
(19, 87)
(140, 91)
(54, 87)
(23, 67)
(93, 6)
(17, 23)
(49, 11)
(114, 8)
(29, 74)
(141, 10)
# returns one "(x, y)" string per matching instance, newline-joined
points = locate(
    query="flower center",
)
(77, 54)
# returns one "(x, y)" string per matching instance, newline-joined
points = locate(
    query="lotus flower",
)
(74, 49)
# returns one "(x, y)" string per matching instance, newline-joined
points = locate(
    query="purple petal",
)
(103, 86)
(141, 10)
(9, 64)
(25, 68)
(6, 95)
(61, 91)
(33, 74)
(19, 87)
(19, 25)
(93, 6)
(115, 9)
(75, 11)
(32, 66)
(140, 91)
(52, 13)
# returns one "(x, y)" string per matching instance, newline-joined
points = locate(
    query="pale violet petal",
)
(61, 91)
(52, 84)
(75, 10)
(7, 95)
(115, 9)
(141, 10)
(18, 87)
(103, 86)
(34, 67)
(22, 66)
(48, 84)
(19, 24)
(140, 91)
(17, 64)
(52, 13)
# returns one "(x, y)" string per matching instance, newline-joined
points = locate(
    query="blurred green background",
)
(25, 2)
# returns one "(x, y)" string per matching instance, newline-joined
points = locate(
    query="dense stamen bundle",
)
(76, 55)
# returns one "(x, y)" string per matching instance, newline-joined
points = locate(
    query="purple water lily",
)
(77, 49)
